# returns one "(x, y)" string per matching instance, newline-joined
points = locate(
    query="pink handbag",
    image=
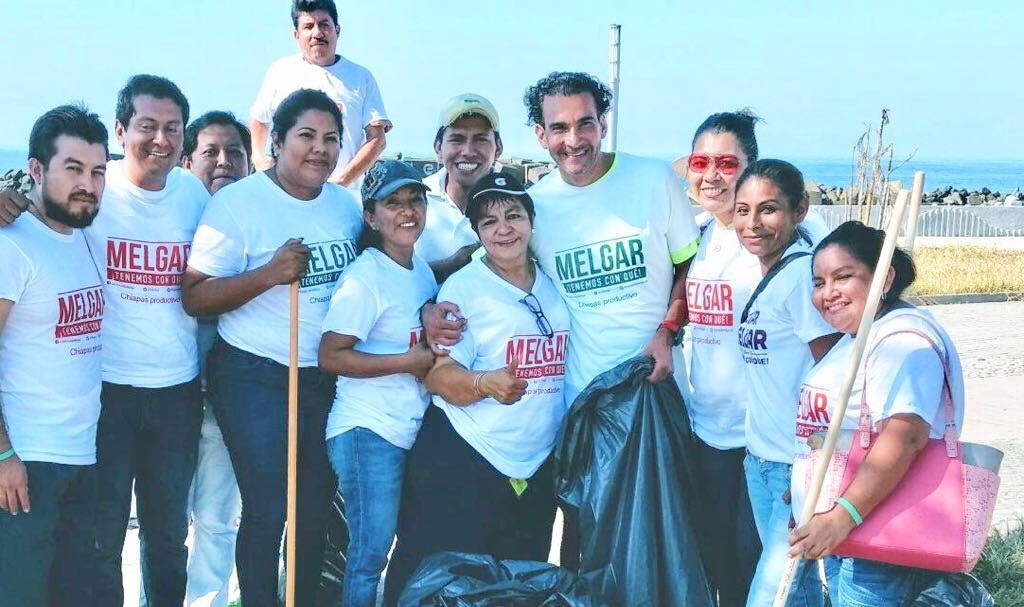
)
(940, 514)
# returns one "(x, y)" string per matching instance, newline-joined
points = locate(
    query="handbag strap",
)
(782, 263)
(949, 432)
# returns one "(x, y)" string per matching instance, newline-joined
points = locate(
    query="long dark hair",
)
(864, 244)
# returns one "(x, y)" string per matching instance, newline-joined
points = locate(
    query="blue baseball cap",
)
(386, 176)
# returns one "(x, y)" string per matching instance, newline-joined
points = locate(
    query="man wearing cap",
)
(467, 144)
(348, 84)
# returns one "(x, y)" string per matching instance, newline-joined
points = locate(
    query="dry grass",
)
(963, 269)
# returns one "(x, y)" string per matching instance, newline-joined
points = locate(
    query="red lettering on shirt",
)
(812, 415)
(538, 355)
(79, 313)
(709, 302)
(415, 335)
(140, 262)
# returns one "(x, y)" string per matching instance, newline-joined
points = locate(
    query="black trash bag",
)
(954, 590)
(333, 575)
(457, 579)
(624, 459)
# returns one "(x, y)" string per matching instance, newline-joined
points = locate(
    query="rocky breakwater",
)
(947, 196)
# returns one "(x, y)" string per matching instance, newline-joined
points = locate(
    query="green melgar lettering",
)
(595, 260)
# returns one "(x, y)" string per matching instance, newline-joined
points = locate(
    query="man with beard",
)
(318, 66)
(467, 144)
(51, 311)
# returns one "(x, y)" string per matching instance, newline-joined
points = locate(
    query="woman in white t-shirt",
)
(256, 237)
(479, 477)
(372, 339)
(903, 373)
(780, 336)
(721, 278)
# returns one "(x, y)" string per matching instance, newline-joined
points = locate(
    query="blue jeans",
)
(46, 554)
(766, 483)
(370, 472)
(148, 436)
(863, 583)
(250, 399)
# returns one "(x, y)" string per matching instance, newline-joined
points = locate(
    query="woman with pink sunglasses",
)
(721, 278)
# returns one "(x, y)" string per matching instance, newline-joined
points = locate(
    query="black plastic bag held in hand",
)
(624, 460)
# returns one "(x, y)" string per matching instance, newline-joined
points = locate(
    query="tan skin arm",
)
(455, 383)
(13, 475)
(260, 160)
(821, 345)
(900, 440)
(204, 295)
(660, 346)
(339, 357)
(367, 154)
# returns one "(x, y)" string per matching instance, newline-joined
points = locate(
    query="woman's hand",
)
(442, 325)
(821, 535)
(420, 360)
(289, 263)
(502, 384)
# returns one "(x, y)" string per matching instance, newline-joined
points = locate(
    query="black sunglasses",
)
(530, 301)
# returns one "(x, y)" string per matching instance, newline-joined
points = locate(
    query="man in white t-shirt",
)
(467, 144)
(350, 85)
(51, 312)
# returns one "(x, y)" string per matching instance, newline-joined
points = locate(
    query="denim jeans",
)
(454, 500)
(863, 583)
(250, 399)
(767, 481)
(724, 523)
(148, 436)
(46, 554)
(216, 506)
(370, 472)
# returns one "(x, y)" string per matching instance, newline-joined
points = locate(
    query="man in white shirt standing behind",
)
(51, 310)
(318, 66)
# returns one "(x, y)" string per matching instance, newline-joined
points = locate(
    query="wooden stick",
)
(293, 442)
(915, 210)
(859, 344)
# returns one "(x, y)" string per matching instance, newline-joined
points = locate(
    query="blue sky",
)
(817, 72)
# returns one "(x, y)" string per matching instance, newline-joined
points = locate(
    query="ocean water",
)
(997, 175)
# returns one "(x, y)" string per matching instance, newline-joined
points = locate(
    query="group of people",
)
(445, 326)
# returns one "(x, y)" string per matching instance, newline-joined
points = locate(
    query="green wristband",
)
(851, 509)
(6, 455)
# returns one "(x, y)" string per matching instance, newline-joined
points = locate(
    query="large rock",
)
(1012, 201)
(954, 199)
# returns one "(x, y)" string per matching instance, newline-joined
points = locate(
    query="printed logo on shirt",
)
(709, 302)
(812, 415)
(753, 342)
(538, 356)
(79, 313)
(327, 260)
(415, 335)
(609, 263)
(139, 262)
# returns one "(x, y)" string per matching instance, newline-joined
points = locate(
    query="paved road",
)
(990, 339)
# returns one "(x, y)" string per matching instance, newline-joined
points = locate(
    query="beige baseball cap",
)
(467, 103)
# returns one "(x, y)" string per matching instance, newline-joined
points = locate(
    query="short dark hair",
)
(147, 84)
(73, 120)
(476, 206)
(309, 6)
(864, 244)
(784, 175)
(288, 112)
(739, 124)
(565, 83)
(216, 117)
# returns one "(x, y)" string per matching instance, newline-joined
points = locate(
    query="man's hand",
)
(442, 325)
(13, 486)
(289, 263)
(660, 347)
(502, 384)
(12, 204)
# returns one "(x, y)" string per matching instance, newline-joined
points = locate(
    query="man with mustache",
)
(318, 66)
(51, 311)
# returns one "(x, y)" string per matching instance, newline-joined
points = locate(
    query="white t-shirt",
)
(241, 230)
(50, 373)
(722, 276)
(142, 239)
(515, 439)
(610, 249)
(904, 375)
(378, 302)
(773, 341)
(348, 84)
(447, 229)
